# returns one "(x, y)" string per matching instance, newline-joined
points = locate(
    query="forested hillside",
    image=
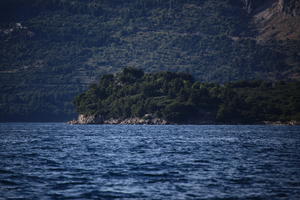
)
(51, 50)
(178, 98)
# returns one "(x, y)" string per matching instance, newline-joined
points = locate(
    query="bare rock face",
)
(289, 7)
(88, 119)
(275, 19)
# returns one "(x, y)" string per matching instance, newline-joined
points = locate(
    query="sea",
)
(209, 162)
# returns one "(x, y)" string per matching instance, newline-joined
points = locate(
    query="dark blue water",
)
(59, 161)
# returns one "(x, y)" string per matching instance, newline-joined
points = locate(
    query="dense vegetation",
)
(178, 98)
(52, 49)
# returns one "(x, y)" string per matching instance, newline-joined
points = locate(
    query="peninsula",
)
(135, 97)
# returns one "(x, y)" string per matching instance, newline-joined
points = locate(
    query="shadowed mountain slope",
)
(52, 50)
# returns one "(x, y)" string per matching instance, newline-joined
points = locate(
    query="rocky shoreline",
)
(150, 120)
(290, 123)
(92, 119)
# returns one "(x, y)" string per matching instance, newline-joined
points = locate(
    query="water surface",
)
(59, 161)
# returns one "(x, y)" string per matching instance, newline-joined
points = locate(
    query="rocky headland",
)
(94, 119)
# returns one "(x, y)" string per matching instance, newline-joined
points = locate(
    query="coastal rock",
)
(87, 119)
(290, 123)
(137, 121)
(94, 119)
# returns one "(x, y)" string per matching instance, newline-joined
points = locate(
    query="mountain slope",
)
(52, 50)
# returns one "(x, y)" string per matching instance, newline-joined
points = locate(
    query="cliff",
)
(274, 19)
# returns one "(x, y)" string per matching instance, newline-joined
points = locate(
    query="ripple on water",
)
(58, 161)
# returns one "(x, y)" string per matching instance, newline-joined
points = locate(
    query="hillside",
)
(133, 96)
(52, 50)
